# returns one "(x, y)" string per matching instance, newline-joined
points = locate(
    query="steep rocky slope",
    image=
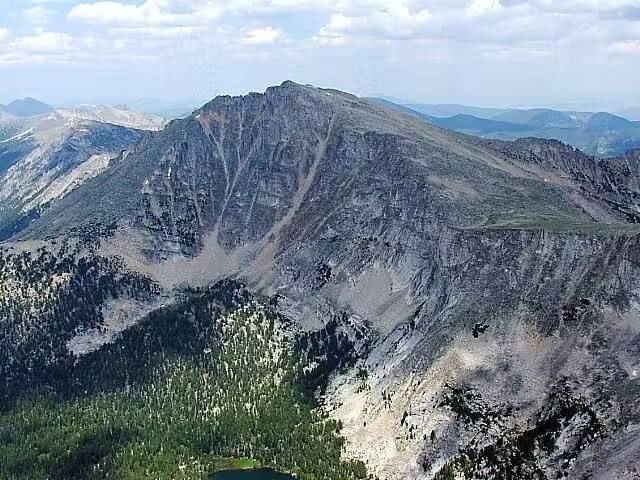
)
(44, 157)
(489, 289)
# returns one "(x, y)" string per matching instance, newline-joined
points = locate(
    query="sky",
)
(480, 52)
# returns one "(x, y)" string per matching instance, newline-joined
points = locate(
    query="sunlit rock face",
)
(489, 289)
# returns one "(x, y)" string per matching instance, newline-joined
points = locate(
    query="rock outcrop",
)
(496, 283)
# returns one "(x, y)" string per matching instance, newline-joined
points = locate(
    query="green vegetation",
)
(44, 300)
(235, 464)
(558, 223)
(211, 382)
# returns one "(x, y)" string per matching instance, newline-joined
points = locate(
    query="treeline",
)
(45, 299)
(209, 377)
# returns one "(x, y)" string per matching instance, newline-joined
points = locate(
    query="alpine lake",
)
(251, 474)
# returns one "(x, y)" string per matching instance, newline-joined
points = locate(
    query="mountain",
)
(6, 117)
(601, 134)
(388, 104)
(27, 107)
(329, 286)
(607, 121)
(460, 122)
(478, 126)
(539, 118)
(450, 110)
(43, 157)
(119, 115)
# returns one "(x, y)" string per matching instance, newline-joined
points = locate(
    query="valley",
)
(208, 379)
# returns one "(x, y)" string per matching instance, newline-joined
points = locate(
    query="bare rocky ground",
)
(118, 315)
(491, 289)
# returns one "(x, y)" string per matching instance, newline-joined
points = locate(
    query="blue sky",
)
(483, 52)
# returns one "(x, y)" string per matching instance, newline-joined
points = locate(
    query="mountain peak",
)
(605, 120)
(27, 107)
(292, 84)
(286, 94)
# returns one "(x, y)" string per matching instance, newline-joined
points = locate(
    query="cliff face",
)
(497, 283)
(520, 355)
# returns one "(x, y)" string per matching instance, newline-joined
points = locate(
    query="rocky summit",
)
(446, 306)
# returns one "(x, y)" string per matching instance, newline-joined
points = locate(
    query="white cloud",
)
(395, 21)
(262, 36)
(339, 22)
(184, 29)
(585, 6)
(328, 40)
(4, 34)
(41, 47)
(46, 42)
(507, 24)
(629, 47)
(479, 7)
(37, 15)
(151, 12)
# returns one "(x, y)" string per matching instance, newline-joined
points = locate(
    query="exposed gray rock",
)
(508, 271)
(47, 156)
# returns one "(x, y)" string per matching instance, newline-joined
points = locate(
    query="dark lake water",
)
(257, 474)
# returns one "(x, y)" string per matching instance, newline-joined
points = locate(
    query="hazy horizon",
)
(158, 105)
(488, 53)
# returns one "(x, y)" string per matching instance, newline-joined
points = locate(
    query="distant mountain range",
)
(26, 107)
(45, 153)
(166, 109)
(29, 107)
(450, 110)
(116, 115)
(597, 133)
